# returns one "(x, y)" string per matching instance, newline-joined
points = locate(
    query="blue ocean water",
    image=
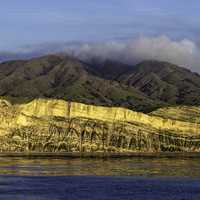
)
(97, 188)
(98, 179)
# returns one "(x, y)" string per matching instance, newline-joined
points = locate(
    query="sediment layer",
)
(49, 125)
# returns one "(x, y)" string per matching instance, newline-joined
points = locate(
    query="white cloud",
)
(184, 52)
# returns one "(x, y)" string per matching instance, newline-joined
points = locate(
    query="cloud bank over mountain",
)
(183, 52)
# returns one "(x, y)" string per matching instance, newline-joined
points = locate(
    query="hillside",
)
(165, 82)
(49, 125)
(144, 87)
(67, 78)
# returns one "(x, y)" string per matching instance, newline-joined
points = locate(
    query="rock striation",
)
(51, 125)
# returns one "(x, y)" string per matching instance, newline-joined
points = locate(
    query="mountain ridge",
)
(143, 87)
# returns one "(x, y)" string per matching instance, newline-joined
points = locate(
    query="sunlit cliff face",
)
(49, 125)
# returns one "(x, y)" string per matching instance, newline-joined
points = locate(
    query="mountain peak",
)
(148, 85)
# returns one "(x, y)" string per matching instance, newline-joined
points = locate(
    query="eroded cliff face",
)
(47, 125)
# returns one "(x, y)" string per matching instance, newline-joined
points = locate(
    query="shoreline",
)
(100, 155)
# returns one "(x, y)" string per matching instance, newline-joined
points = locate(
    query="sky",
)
(29, 24)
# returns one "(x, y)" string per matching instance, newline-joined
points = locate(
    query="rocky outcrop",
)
(49, 125)
(181, 113)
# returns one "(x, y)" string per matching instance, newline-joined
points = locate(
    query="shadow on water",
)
(136, 166)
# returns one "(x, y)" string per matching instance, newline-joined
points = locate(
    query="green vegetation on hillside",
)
(144, 87)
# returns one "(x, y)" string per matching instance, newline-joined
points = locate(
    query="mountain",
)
(109, 69)
(164, 82)
(52, 104)
(67, 78)
(143, 87)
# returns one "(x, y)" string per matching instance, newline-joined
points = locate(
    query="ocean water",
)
(100, 179)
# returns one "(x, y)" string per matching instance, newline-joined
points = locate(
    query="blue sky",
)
(28, 22)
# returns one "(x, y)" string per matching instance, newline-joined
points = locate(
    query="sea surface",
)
(99, 179)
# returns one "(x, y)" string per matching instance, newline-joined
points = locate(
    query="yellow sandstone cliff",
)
(56, 125)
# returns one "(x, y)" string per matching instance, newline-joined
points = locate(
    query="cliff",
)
(49, 125)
